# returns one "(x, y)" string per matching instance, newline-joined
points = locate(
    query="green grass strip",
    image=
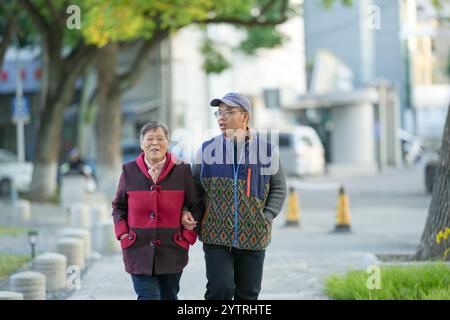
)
(9, 263)
(425, 282)
(9, 231)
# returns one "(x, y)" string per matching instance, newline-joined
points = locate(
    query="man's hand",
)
(123, 236)
(187, 220)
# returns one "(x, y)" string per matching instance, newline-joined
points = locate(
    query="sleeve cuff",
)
(189, 235)
(269, 216)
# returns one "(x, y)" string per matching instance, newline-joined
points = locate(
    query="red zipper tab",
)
(249, 175)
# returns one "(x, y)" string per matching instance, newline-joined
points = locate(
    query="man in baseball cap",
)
(236, 229)
(233, 114)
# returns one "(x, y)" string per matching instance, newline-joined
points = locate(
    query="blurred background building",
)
(356, 74)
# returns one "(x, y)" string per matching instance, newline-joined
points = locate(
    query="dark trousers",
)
(233, 273)
(158, 287)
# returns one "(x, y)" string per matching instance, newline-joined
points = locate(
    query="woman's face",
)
(154, 144)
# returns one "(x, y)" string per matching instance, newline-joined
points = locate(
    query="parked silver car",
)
(301, 151)
(14, 173)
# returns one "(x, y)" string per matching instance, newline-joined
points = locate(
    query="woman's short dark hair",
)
(152, 125)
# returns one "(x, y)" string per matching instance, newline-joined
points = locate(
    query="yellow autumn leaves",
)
(105, 21)
(443, 235)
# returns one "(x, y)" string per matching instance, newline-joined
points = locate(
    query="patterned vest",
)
(236, 193)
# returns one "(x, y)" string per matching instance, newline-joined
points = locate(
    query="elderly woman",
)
(147, 208)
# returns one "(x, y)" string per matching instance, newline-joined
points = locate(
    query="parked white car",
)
(14, 173)
(301, 151)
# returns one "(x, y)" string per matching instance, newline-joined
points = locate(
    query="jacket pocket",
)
(265, 218)
(129, 240)
(180, 240)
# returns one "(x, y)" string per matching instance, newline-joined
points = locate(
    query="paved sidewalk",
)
(388, 215)
(287, 275)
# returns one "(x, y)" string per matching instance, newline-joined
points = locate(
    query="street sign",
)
(20, 111)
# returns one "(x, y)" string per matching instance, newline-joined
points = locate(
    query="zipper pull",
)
(249, 175)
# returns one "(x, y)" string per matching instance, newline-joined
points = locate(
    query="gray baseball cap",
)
(233, 99)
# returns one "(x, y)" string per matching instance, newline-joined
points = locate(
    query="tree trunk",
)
(57, 93)
(109, 122)
(43, 185)
(54, 98)
(86, 136)
(435, 242)
(111, 87)
(58, 85)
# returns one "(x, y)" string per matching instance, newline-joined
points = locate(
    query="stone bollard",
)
(53, 266)
(73, 249)
(83, 234)
(31, 284)
(106, 241)
(23, 210)
(99, 213)
(79, 216)
(9, 295)
(73, 189)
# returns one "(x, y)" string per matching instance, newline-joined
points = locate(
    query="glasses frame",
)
(226, 114)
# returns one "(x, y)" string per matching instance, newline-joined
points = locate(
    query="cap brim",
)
(216, 103)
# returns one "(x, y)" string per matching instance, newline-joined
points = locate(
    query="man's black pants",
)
(233, 273)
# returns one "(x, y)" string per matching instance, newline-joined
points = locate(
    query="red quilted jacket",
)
(151, 213)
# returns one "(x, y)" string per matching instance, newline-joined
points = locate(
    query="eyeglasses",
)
(225, 114)
(150, 140)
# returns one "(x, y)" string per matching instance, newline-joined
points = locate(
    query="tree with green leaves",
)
(106, 26)
(154, 22)
(65, 56)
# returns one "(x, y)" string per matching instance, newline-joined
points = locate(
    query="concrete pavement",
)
(287, 275)
(388, 214)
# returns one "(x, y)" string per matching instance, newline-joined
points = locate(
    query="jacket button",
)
(152, 243)
(152, 215)
(130, 237)
(179, 238)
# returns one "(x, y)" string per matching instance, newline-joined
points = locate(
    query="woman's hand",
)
(123, 236)
(187, 220)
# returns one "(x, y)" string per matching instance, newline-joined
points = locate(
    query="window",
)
(285, 140)
(306, 141)
(272, 98)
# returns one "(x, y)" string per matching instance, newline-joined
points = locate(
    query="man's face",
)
(231, 118)
(154, 144)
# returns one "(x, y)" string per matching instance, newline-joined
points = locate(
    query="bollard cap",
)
(50, 258)
(27, 277)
